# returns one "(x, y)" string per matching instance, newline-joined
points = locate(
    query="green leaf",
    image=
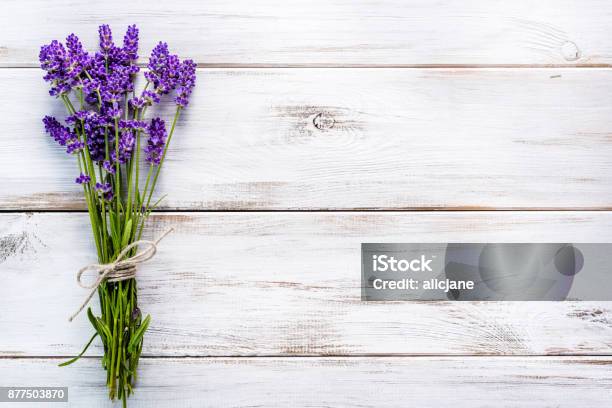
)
(92, 318)
(94, 323)
(104, 328)
(138, 334)
(72, 360)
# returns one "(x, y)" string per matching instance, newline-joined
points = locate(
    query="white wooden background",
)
(317, 125)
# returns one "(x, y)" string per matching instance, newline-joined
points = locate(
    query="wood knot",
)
(570, 51)
(323, 121)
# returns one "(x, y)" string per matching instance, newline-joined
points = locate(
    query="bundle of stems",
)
(115, 224)
(106, 130)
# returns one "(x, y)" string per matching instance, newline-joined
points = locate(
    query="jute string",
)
(120, 269)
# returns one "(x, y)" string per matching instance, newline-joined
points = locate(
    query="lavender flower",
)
(78, 59)
(130, 43)
(137, 103)
(163, 69)
(63, 135)
(103, 187)
(109, 167)
(93, 125)
(137, 125)
(114, 112)
(82, 179)
(150, 97)
(58, 132)
(74, 146)
(126, 144)
(157, 62)
(98, 68)
(75, 49)
(186, 82)
(106, 38)
(54, 60)
(156, 142)
(106, 190)
(83, 115)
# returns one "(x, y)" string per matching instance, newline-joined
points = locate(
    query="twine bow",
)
(120, 269)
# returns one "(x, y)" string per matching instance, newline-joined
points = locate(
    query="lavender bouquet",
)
(107, 132)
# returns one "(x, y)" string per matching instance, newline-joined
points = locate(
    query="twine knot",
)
(120, 269)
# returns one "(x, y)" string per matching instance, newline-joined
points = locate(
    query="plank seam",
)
(328, 356)
(382, 66)
(338, 210)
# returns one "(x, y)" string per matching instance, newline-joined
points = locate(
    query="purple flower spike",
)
(109, 167)
(82, 179)
(126, 145)
(133, 124)
(106, 190)
(186, 82)
(130, 43)
(137, 103)
(78, 59)
(159, 55)
(63, 135)
(150, 97)
(58, 132)
(163, 69)
(74, 45)
(106, 38)
(93, 125)
(54, 60)
(156, 142)
(139, 125)
(103, 187)
(74, 146)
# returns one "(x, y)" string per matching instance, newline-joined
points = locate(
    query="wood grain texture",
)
(228, 284)
(335, 382)
(321, 32)
(275, 125)
(303, 139)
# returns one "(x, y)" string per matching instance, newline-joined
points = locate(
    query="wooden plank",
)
(335, 382)
(321, 32)
(289, 284)
(301, 139)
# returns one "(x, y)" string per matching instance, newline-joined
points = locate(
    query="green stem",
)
(119, 332)
(89, 198)
(144, 210)
(161, 163)
(117, 188)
